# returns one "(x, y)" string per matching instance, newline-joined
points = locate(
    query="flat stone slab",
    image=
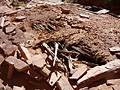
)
(115, 49)
(25, 53)
(10, 29)
(116, 87)
(39, 60)
(20, 17)
(79, 72)
(4, 9)
(18, 88)
(18, 64)
(8, 49)
(64, 84)
(99, 72)
(113, 82)
(104, 87)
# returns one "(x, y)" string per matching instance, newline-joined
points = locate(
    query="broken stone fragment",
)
(93, 88)
(85, 88)
(18, 88)
(20, 17)
(79, 26)
(113, 82)
(116, 87)
(2, 21)
(65, 11)
(64, 84)
(104, 87)
(6, 23)
(103, 11)
(4, 9)
(84, 16)
(9, 2)
(18, 37)
(10, 29)
(8, 49)
(117, 54)
(99, 72)
(8, 87)
(101, 87)
(25, 53)
(115, 49)
(44, 71)
(39, 63)
(79, 72)
(1, 59)
(4, 38)
(10, 70)
(11, 12)
(1, 86)
(1, 81)
(39, 60)
(18, 64)
(58, 17)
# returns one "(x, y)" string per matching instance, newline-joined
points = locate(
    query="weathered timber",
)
(50, 51)
(39, 60)
(56, 50)
(55, 76)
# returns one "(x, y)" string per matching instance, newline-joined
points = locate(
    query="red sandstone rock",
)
(99, 72)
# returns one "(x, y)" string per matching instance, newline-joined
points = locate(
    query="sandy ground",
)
(93, 33)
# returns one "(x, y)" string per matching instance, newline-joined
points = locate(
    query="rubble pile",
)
(58, 47)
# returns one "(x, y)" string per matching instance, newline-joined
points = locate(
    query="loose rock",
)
(79, 72)
(114, 49)
(10, 29)
(103, 11)
(116, 87)
(8, 49)
(84, 16)
(1, 86)
(99, 72)
(113, 82)
(64, 84)
(18, 88)
(2, 21)
(39, 60)
(65, 10)
(18, 64)
(25, 53)
(4, 9)
(20, 17)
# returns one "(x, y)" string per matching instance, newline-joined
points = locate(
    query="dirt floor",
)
(68, 24)
(97, 33)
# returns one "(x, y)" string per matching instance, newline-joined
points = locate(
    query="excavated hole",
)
(75, 52)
